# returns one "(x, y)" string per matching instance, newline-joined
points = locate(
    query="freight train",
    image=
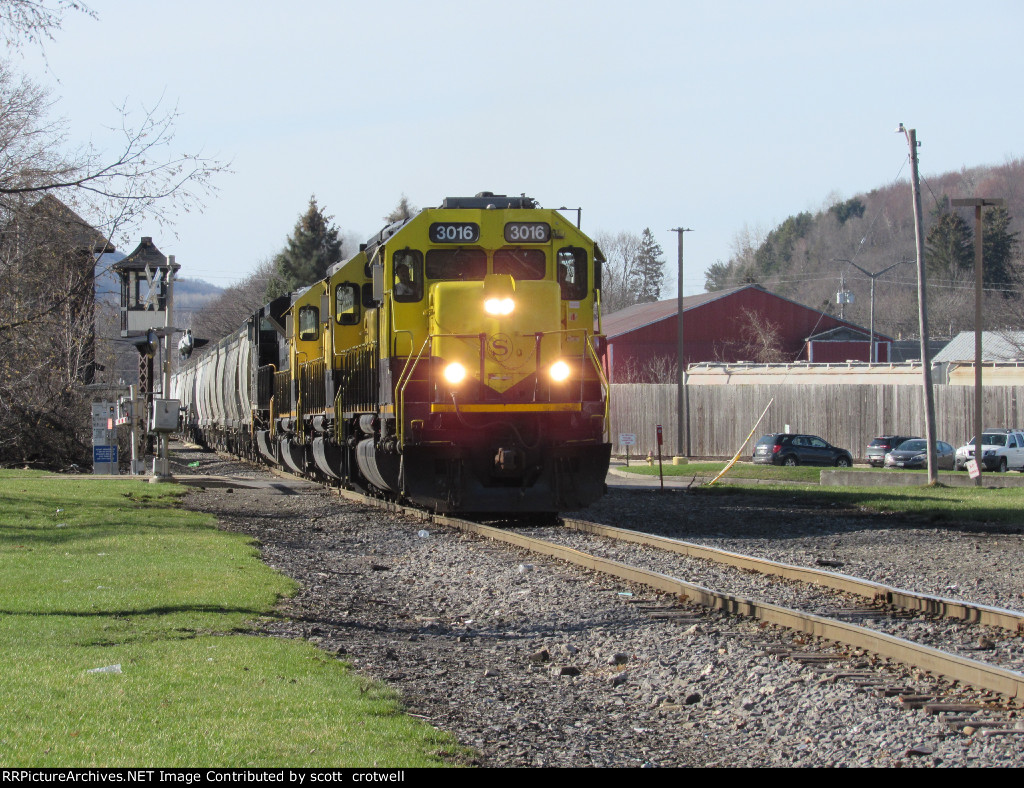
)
(455, 362)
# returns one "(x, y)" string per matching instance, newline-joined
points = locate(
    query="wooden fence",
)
(844, 415)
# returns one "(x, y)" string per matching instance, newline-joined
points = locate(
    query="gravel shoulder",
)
(534, 663)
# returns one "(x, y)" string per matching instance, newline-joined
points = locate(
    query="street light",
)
(872, 350)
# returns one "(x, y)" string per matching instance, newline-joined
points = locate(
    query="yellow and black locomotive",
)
(454, 362)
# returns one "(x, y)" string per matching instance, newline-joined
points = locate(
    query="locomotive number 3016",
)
(527, 232)
(454, 232)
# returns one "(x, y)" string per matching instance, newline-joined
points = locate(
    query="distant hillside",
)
(190, 295)
(797, 258)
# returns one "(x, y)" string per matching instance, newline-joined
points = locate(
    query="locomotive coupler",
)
(509, 461)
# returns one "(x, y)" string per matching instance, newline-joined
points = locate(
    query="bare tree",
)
(661, 369)
(402, 212)
(48, 250)
(229, 311)
(657, 369)
(48, 262)
(620, 275)
(34, 21)
(762, 337)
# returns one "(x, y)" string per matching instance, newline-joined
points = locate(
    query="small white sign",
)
(627, 439)
(972, 468)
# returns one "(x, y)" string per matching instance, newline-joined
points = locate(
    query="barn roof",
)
(639, 315)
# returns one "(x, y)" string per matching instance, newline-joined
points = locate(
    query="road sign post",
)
(661, 470)
(627, 439)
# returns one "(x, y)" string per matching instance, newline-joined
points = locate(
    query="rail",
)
(1010, 620)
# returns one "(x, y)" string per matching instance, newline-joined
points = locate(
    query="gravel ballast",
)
(531, 662)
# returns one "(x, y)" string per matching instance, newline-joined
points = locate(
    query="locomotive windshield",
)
(460, 264)
(520, 263)
(572, 273)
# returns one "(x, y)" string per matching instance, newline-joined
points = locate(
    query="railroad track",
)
(988, 712)
(1008, 684)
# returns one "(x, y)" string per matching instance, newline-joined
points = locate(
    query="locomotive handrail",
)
(339, 409)
(596, 360)
(298, 403)
(403, 381)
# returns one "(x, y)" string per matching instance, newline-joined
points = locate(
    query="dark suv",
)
(882, 445)
(782, 448)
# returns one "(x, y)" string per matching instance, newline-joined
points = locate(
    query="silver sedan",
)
(914, 454)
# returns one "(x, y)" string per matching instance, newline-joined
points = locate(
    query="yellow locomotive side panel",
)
(308, 325)
(307, 343)
(348, 324)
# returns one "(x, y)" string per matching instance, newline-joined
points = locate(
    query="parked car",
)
(1000, 451)
(780, 448)
(913, 453)
(881, 446)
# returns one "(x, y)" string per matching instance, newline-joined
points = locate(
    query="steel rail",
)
(979, 675)
(968, 671)
(960, 610)
(971, 672)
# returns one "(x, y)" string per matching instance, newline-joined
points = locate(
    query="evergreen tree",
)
(998, 248)
(312, 248)
(650, 269)
(949, 249)
(717, 277)
(852, 208)
(776, 253)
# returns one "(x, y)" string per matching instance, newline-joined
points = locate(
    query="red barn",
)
(739, 324)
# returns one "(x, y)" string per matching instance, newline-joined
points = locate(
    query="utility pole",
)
(978, 203)
(873, 350)
(682, 400)
(926, 362)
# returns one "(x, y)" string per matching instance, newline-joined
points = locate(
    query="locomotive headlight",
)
(559, 371)
(455, 373)
(499, 306)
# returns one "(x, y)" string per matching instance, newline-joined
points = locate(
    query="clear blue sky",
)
(711, 115)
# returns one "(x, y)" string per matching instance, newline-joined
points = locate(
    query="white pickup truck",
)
(1001, 450)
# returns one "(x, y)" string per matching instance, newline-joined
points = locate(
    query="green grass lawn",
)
(103, 574)
(741, 470)
(938, 504)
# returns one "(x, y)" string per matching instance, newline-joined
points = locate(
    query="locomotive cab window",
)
(460, 264)
(572, 273)
(520, 263)
(346, 299)
(408, 281)
(309, 323)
